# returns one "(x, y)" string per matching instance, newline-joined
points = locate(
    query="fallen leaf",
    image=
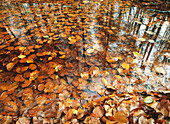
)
(141, 39)
(69, 115)
(99, 111)
(121, 117)
(148, 99)
(9, 66)
(23, 120)
(21, 56)
(125, 66)
(90, 50)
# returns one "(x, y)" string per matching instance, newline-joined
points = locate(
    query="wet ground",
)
(84, 62)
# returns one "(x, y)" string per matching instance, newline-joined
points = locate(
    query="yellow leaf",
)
(136, 54)
(125, 66)
(72, 40)
(21, 56)
(141, 39)
(90, 50)
(113, 28)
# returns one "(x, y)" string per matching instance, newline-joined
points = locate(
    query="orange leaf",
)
(32, 66)
(9, 66)
(121, 117)
(11, 106)
(99, 111)
(125, 66)
(69, 114)
(26, 83)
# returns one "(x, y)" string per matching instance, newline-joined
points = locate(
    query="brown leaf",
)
(11, 106)
(23, 120)
(99, 111)
(121, 117)
(69, 115)
(80, 113)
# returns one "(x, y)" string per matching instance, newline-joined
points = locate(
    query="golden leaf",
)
(141, 39)
(21, 56)
(125, 66)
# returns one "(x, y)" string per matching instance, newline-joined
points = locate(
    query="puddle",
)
(80, 50)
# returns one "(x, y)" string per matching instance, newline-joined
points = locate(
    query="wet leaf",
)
(141, 39)
(90, 50)
(10, 66)
(99, 111)
(32, 66)
(23, 120)
(121, 117)
(136, 54)
(11, 107)
(85, 75)
(69, 114)
(148, 99)
(21, 56)
(125, 66)
(26, 83)
(33, 75)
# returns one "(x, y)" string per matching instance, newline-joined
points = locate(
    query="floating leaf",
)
(21, 56)
(9, 66)
(56, 77)
(72, 40)
(113, 28)
(136, 54)
(148, 99)
(23, 120)
(151, 41)
(99, 111)
(69, 114)
(33, 75)
(32, 66)
(46, 36)
(90, 50)
(121, 117)
(150, 32)
(125, 66)
(85, 75)
(11, 106)
(141, 39)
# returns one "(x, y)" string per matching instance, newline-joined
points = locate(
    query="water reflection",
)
(95, 43)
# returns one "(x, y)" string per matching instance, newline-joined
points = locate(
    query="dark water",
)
(86, 48)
